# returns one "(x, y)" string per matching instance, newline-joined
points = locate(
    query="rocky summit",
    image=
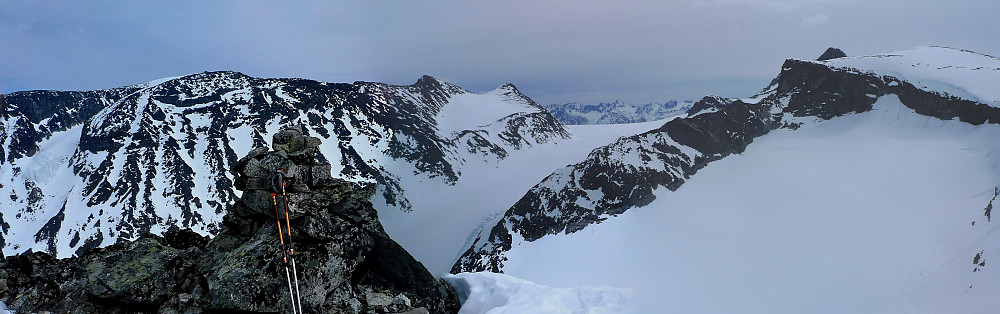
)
(346, 262)
(831, 53)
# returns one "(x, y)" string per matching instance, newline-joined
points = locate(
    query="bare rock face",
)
(831, 53)
(346, 262)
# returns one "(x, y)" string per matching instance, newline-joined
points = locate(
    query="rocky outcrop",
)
(708, 104)
(831, 53)
(346, 261)
(36, 115)
(813, 89)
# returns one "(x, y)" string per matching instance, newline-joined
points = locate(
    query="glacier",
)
(871, 193)
(873, 212)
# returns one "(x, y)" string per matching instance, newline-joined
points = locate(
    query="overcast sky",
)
(554, 51)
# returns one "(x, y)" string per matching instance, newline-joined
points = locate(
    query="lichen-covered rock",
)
(345, 261)
(150, 274)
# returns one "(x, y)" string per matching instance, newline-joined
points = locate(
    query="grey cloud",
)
(555, 51)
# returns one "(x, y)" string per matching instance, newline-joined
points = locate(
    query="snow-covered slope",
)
(499, 293)
(877, 212)
(83, 169)
(491, 124)
(445, 215)
(641, 170)
(617, 112)
(959, 73)
(616, 177)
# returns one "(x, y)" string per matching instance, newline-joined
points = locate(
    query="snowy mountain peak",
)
(507, 89)
(428, 81)
(83, 169)
(505, 117)
(959, 73)
(433, 92)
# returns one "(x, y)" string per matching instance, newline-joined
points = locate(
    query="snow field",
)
(445, 216)
(957, 72)
(471, 111)
(499, 293)
(48, 169)
(869, 213)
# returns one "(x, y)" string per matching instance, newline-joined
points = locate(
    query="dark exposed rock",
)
(346, 262)
(48, 112)
(978, 262)
(989, 206)
(831, 53)
(708, 103)
(816, 90)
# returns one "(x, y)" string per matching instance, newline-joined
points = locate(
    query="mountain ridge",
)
(347, 263)
(155, 154)
(805, 92)
(617, 112)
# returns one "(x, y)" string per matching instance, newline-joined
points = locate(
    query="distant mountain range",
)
(86, 169)
(617, 112)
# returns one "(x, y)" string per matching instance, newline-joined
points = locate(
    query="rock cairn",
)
(346, 261)
(307, 176)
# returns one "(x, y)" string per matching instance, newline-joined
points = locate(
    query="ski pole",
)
(291, 245)
(284, 253)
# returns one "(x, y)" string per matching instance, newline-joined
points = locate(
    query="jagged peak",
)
(708, 103)
(430, 83)
(713, 99)
(506, 88)
(428, 80)
(831, 53)
(510, 92)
